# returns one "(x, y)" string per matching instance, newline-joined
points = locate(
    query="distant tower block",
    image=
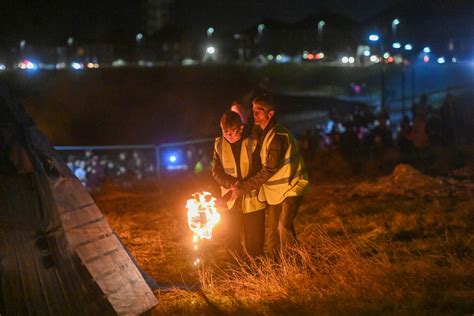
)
(157, 14)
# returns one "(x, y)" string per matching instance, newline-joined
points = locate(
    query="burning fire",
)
(202, 216)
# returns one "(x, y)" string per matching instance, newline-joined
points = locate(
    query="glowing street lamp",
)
(374, 37)
(210, 31)
(321, 25)
(395, 23)
(210, 50)
(139, 37)
(396, 45)
(426, 50)
(260, 28)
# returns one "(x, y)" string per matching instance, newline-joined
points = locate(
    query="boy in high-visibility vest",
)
(236, 157)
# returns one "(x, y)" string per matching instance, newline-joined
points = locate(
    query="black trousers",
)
(280, 231)
(244, 232)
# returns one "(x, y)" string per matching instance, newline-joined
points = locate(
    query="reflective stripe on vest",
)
(223, 148)
(292, 178)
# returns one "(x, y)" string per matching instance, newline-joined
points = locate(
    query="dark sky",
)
(53, 20)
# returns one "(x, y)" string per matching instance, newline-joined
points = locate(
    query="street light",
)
(321, 25)
(395, 23)
(260, 28)
(210, 31)
(375, 38)
(138, 39)
(210, 50)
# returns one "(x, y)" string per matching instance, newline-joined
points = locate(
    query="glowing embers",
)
(202, 215)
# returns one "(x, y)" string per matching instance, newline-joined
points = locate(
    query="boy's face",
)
(232, 134)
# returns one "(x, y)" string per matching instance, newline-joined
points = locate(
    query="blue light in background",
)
(374, 37)
(174, 159)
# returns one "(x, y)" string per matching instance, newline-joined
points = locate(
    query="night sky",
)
(54, 20)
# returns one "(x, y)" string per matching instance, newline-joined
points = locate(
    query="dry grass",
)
(365, 255)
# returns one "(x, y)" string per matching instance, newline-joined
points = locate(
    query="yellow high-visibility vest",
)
(250, 202)
(292, 178)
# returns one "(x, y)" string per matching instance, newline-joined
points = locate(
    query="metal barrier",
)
(177, 150)
(170, 148)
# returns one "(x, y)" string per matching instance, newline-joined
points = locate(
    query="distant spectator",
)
(418, 134)
(421, 108)
(70, 163)
(350, 148)
(96, 175)
(447, 114)
(381, 136)
(380, 145)
(404, 140)
(433, 128)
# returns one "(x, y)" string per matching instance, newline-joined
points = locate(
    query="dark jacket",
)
(274, 159)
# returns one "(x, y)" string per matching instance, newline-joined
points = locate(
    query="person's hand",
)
(236, 192)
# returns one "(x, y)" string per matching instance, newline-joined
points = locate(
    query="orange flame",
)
(202, 215)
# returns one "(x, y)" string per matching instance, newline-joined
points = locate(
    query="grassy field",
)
(400, 244)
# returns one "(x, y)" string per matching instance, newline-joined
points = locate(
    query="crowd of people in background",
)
(363, 136)
(93, 169)
(359, 138)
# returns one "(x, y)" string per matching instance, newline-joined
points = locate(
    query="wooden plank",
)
(100, 250)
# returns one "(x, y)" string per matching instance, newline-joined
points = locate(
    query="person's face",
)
(232, 134)
(261, 116)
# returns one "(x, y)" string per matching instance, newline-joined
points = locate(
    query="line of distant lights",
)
(347, 59)
(313, 56)
(32, 66)
(27, 65)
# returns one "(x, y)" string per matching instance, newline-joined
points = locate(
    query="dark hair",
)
(265, 101)
(236, 103)
(230, 119)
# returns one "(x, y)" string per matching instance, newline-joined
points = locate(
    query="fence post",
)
(157, 160)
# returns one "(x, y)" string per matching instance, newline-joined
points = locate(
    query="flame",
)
(202, 216)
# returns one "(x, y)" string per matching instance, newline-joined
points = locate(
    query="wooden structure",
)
(58, 254)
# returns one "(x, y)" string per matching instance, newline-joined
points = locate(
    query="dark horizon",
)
(53, 21)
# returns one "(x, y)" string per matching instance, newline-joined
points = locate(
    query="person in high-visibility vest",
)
(236, 157)
(282, 181)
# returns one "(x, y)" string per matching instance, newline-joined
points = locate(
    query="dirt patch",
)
(406, 180)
